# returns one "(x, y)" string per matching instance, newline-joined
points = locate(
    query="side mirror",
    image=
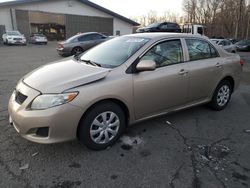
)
(146, 65)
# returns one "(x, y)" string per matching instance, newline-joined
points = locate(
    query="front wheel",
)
(221, 96)
(102, 125)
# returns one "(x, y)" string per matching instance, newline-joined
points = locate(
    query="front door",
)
(166, 86)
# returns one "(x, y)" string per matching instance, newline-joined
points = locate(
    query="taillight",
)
(242, 62)
(60, 46)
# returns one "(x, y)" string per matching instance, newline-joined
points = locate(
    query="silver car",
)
(225, 44)
(38, 38)
(94, 96)
(80, 43)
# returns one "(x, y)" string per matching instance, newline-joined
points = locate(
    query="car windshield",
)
(215, 41)
(13, 33)
(114, 52)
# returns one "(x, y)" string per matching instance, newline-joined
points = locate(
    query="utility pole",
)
(248, 22)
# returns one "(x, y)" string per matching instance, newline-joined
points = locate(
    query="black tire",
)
(76, 50)
(88, 119)
(214, 103)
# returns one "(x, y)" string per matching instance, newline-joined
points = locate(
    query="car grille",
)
(20, 98)
(17, 39)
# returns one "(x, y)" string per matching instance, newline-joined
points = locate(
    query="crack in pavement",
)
(175, 176)
(216, 176)
(196, 183)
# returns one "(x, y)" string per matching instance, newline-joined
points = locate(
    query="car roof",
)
(87, 33)
(160, 35)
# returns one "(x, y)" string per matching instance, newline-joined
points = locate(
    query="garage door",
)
(76, 24)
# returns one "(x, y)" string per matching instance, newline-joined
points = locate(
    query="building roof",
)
(86, 2)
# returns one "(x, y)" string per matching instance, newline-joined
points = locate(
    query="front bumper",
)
(61, 121)
(12, 41)
(41, 41)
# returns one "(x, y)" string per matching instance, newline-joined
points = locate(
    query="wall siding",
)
(22, 18)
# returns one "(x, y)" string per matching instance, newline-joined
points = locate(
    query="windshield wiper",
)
(90, 62)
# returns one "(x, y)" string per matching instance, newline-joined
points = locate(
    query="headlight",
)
(45, 101)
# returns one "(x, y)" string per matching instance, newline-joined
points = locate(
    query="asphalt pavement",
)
(196, 147)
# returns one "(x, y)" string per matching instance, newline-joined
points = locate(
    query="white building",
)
(61, 18)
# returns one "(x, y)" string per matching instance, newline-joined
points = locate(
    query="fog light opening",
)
(42, 131)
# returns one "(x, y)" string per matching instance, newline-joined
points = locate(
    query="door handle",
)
(218, 65)
(182, 72)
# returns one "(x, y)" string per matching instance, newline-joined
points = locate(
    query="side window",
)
(85, 38)
(228, 43)
(164, 26)
(97, 36)
(200, 49)
(200, 30)
(165, 53)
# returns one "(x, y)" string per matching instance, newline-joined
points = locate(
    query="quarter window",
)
(200, 49)
(165, 53)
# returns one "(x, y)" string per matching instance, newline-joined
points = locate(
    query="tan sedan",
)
(94, 96)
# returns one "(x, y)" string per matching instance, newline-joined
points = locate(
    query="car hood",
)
(63, 75)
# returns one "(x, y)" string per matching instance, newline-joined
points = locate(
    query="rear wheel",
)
(221, 96)
(77, 50)
(102, 125)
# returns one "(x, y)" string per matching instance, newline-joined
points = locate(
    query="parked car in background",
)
(225, 44)
(243, 45)
(95, 95)
(38, 38)
(80, 43)
(232, 40)
(161, 27)
(14, 37)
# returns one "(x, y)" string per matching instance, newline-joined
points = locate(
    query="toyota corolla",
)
(95, 95)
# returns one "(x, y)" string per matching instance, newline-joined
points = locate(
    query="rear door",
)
(166, 86)
(97, 38)
(86, 41)
(205, 69)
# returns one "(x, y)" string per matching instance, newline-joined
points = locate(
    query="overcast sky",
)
(130, 8)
